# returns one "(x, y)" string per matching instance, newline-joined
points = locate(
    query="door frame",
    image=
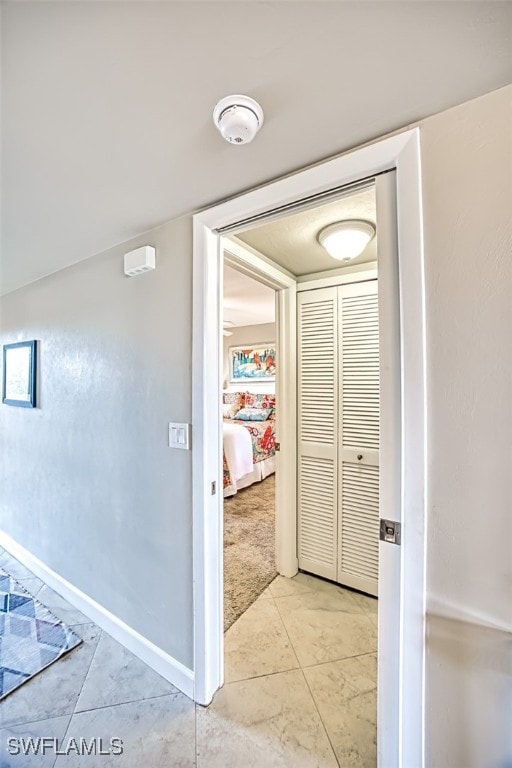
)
(400, 733)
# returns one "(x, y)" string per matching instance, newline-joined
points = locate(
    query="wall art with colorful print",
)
(253, 363)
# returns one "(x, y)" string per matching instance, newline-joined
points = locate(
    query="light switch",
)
(179, 435)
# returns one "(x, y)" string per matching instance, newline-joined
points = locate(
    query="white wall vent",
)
(140, 260)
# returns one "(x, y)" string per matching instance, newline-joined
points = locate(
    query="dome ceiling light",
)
(345, 240)
(238, 118)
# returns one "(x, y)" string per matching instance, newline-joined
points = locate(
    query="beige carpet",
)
(249, 547)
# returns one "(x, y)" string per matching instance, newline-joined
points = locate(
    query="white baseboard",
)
(167, 666)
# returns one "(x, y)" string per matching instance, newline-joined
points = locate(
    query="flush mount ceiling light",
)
(238, 118)
(345, 240)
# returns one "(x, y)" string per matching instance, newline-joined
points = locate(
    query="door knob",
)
(359, 456)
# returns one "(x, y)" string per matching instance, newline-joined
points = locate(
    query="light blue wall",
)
(87, 481)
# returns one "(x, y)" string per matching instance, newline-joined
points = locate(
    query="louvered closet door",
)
(317, 335)
(358, 479)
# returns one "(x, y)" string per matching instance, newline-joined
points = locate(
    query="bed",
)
(249, 442)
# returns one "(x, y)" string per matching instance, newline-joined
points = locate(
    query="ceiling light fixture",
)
(238, 118)
(345, 240)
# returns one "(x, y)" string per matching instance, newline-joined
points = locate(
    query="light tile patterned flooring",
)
(300, 690)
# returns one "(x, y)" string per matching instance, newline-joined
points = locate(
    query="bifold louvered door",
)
(338, 428)
(358, 437)
(317, 336)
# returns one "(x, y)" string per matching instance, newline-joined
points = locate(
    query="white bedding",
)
(260, 471)
(238, 450)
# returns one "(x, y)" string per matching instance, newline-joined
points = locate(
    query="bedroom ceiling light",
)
(345, 240)
(238, 118)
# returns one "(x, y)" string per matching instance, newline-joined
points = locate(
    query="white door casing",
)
(402, 616)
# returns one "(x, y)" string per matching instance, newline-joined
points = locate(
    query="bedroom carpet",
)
(249, 547)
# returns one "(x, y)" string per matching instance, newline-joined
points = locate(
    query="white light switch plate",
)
(179, 435)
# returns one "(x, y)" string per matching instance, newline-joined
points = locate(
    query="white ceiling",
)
(246, 301)
(106, 106)
(292, 241)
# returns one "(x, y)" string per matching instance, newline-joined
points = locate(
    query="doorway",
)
(401, 578)
(323, 630)
(249, 415)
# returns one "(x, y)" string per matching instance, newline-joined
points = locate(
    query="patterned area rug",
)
(249, 547)
(31, 638)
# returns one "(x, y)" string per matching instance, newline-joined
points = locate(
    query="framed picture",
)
(20, 374)
(253, 363)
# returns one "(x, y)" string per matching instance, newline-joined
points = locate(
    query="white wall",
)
(467, 185)
(248, 334)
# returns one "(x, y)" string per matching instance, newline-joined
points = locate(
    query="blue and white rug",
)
(31, 638)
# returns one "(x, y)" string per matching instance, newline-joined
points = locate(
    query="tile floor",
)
(300, 690)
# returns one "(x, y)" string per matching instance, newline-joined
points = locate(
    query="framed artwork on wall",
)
(253, 363)
(20, 374)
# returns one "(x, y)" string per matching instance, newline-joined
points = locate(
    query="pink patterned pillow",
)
(234, 398)
(253, 400)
